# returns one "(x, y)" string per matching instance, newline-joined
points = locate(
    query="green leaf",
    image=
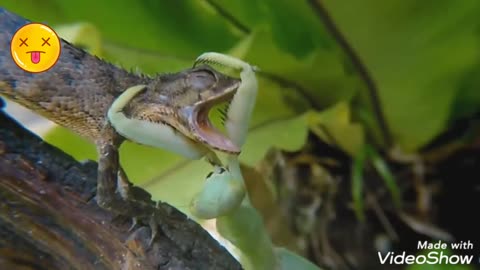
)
(87, 36)
(246, 13)
(468, 99)
(178, 182)
(286, 134)
(387, 176)
(293, 25)
(334, 127)
(148, 62)
(181, 28)
(357, 183)
(72, 144)
(84, 35)
(320, 78)
(416, 53)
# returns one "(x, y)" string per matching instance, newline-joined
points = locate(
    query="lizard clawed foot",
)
(116, 194)
(133, 195)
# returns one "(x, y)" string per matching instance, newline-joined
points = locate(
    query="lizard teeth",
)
(208, 134)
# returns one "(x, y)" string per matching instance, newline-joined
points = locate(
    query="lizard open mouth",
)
(202, 127)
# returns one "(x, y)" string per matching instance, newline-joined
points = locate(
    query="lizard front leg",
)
(108, 168)
(114, 192)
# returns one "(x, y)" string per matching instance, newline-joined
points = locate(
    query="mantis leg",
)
(241, 107)
(224, 190)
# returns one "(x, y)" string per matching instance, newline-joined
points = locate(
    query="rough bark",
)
(49, 218)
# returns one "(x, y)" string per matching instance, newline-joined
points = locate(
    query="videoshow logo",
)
(436, 253)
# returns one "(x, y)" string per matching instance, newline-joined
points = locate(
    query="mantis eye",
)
(220, 195)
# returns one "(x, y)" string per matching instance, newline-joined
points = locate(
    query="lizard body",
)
(79, 91)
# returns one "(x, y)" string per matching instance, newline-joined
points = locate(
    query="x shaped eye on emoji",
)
(24, 42)
(45, 41)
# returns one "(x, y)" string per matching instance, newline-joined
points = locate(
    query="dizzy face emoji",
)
(35, 47)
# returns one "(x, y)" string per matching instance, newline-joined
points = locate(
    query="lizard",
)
(86, 95)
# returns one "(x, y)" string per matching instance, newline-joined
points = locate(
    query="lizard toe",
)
(134, 224)
(154, 230)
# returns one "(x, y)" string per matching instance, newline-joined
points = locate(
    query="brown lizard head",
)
(183, 101)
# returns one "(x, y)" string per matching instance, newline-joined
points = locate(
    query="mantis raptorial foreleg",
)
(241, 107)
(224, 189)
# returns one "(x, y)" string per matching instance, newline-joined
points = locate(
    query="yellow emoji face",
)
(35, 47)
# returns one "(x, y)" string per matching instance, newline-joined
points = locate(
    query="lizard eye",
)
(202, 79)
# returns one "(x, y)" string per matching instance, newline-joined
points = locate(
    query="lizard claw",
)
(134, 224)
(154, 229)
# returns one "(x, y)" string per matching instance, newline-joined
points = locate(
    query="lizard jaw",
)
(203, 130)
